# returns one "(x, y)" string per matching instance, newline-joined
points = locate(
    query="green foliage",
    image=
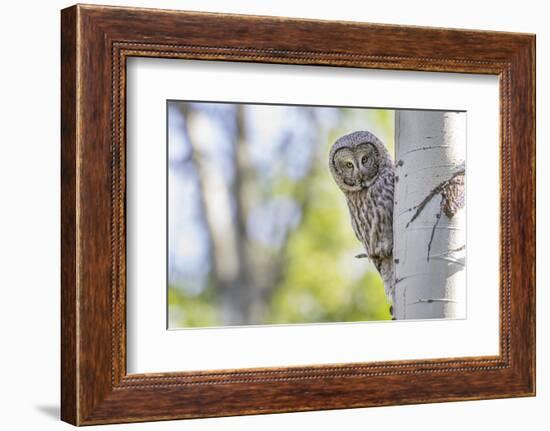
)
(318, 285)
(187, 310)
(320, 280)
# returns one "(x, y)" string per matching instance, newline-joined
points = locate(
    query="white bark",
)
(429, 247)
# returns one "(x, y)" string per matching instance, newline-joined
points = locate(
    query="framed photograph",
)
(264, 214)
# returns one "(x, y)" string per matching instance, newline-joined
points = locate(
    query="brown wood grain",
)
(96, 41)
(68, 217)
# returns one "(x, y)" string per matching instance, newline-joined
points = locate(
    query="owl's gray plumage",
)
(364, 171)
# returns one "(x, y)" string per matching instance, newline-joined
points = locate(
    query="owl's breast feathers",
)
(371, 212)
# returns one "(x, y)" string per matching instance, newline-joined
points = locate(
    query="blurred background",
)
(258, 232)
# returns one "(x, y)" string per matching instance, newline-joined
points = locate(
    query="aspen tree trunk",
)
(429, 215)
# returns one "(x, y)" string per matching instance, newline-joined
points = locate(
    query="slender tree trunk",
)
(243, 275)
(429, 215)
(223, 233)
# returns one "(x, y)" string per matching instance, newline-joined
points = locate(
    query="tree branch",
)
(435, 191)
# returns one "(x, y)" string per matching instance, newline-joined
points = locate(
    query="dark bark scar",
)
(452, 199)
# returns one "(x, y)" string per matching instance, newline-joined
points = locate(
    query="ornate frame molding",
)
(96, 41)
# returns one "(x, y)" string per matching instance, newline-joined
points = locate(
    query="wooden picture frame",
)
(95, 43)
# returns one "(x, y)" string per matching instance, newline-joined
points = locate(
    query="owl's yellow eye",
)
(349, 165)
(364, 159)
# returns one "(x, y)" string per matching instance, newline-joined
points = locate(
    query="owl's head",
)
(357, 159)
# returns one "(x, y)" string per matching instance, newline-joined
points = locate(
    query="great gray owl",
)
(364, 171)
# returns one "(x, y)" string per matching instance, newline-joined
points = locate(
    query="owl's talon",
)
(361, 255)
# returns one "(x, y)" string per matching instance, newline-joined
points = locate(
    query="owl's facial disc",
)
(357, 167)
(347, 169)
(367, 157)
